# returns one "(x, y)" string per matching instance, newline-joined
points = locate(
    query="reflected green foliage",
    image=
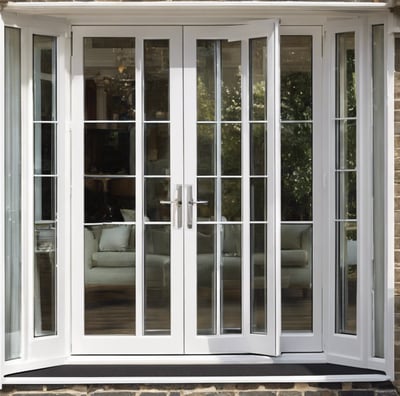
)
(296, 168)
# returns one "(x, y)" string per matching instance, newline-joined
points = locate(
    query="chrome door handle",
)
(177, 205)
(190, 203)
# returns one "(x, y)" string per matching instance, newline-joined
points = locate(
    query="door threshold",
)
(195, 373)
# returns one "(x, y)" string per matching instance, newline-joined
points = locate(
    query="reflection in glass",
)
(206, 149)
(346, 195)
(45, 279)
(109, 279)
(12, 192)
(156, 80)
(45, 149)
(258, 149)
(296, 77)
(108, 198)
(231, 282)
(44, 78)
(231, 192)
(157, 149)
(45, 198)
(206, 279)
(206, 192)
(296, 277)
(156, 190)
(231, 80)
(346, 277)
(109, 149)
(206, 79)
(346, 144)
(258, 199)
(258, 278)
(296, 171)
(231, 153)
(157, 287)
(345, 75)
(109, 72)
(258, 79)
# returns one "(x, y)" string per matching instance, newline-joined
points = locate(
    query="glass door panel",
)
(130, 178)
(229, 158)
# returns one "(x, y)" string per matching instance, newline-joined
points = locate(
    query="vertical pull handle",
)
(190, 204)
(176, 205)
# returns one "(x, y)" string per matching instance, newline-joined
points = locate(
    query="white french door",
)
(174, 191)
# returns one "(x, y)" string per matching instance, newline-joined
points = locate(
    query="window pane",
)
(296, 277)
(156, 80)
(345, 75)
(231, 81)
(157, 190)
(45, 198)
(110, 279)
(157, 285)
(44, 78)
(296, 168)
(258, 79)
(296, 77)
(231, 192)
(258, 278)
(346, 144)
(110, 149)
(12, 187)
(258, 149)
(378, 67)
(346, 195)
(157, 149)
(206, 80)
(206, 279)
(45, 149)
(258, 199)
(109, 72)
(346, 277)
(231, 149)
(206, 149)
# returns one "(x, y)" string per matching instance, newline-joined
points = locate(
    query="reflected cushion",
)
(113, 259)
(115, 239)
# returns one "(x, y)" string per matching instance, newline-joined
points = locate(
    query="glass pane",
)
(231, 81)
(346, 144)
(109, 71)
(346, 277)
(206, 149)
(110, 149)
(345, 75)
(378, 56)
(296, 77)
(44, 78)
(206, 79)
(110, 279)
(157, 285)
(258, 149)
(45, 301)
(206, 192)
(156, 79)
(157, 149)
(346, 195)
(45, 198)
(231, 199)
(231, 281)
(109, 199)
(296, 172)
(157, 190)
(258, 199)
(231, 149)
(45, 149)
(206, 279)
(296, 277)
(12, 192)
(258, 277)
(258, 79)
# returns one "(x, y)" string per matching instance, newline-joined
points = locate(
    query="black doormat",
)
(194, 370)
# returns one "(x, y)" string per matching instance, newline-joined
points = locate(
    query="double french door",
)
(174, 190)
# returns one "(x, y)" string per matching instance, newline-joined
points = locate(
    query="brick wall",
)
(286, 389)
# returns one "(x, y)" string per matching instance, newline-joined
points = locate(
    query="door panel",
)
(132, 249)
(232, 302)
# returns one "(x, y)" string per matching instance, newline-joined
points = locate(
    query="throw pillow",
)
(115, 239)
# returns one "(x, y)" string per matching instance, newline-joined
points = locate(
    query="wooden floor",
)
(111, 310)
